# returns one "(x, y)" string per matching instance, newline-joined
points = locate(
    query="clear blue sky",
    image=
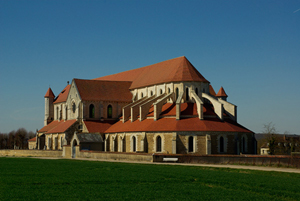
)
(251, 48)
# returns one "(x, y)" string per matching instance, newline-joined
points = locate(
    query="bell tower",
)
(49, 109)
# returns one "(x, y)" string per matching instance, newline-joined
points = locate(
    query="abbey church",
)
(168, 107)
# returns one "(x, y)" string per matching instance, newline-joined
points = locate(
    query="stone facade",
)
(165, 108)
(201, 143)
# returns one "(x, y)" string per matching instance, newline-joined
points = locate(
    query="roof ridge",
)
(172, 70)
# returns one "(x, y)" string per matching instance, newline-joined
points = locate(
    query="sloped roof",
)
(95, 90)
(57, 126)
(49, 126)
(89, 137)
(171, 124)
(173, 70)
(212, 91)
(98, 126)
(62, 97)
(49, 93)
(62, 126)
(32, 139)
(221, 93)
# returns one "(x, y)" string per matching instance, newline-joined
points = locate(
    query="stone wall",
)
(283, 160)
(30, 153)
(114, 156)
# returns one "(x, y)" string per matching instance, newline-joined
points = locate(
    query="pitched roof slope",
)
(62, 97)
(32, 139)
(98, 126)
(212, 91)
(62, 126)
(49, 93)
(173, 70)
(49, 126)
(57, 126)
(95, 90)
(171, 124)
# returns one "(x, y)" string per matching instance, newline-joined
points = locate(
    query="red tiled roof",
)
(95, 90)
(57, 126)
(212, 91)
(173, 70)
(32, 139)
(171, 124)
(98, 126)
(49, 93)
(62, 97)
(221, 93)
(49, 126)
(62, 126)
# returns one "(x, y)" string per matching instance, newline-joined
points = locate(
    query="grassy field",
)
(38, 179)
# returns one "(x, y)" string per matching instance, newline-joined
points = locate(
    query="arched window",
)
(60, 113)
(191, 144)
(160, 92)
(66, 112)
(151, 93)
(73, 107)
(243, 145)
(57, 113)
(221, 144)
(169, 90)
(142, 95)
(133, 144)
(196, 91)
(187, 94)
(158, 144)
(92, 111)
(109, 111)
(61, 141)
(176, 93)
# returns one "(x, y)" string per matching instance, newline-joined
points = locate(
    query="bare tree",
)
(270, 131)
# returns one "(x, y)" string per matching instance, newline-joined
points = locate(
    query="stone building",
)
(281, 144)
(168, 107)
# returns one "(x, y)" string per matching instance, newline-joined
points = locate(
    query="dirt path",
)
(261, 168)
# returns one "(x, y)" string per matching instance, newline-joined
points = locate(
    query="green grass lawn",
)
(38, 179)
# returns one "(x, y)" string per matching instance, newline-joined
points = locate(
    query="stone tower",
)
(221, 94)
(49, 109)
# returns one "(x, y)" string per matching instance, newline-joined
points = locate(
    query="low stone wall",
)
(282, 160)
(29, 153)
(286, 161)
(115, 156)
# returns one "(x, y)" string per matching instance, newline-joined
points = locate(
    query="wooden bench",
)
(170, 159)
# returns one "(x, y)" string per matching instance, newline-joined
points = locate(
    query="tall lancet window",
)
(92, 111)
(187, 94)
(109, 111)
(158, 144)
(191, 144)
(133, 144)
(221, 144)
